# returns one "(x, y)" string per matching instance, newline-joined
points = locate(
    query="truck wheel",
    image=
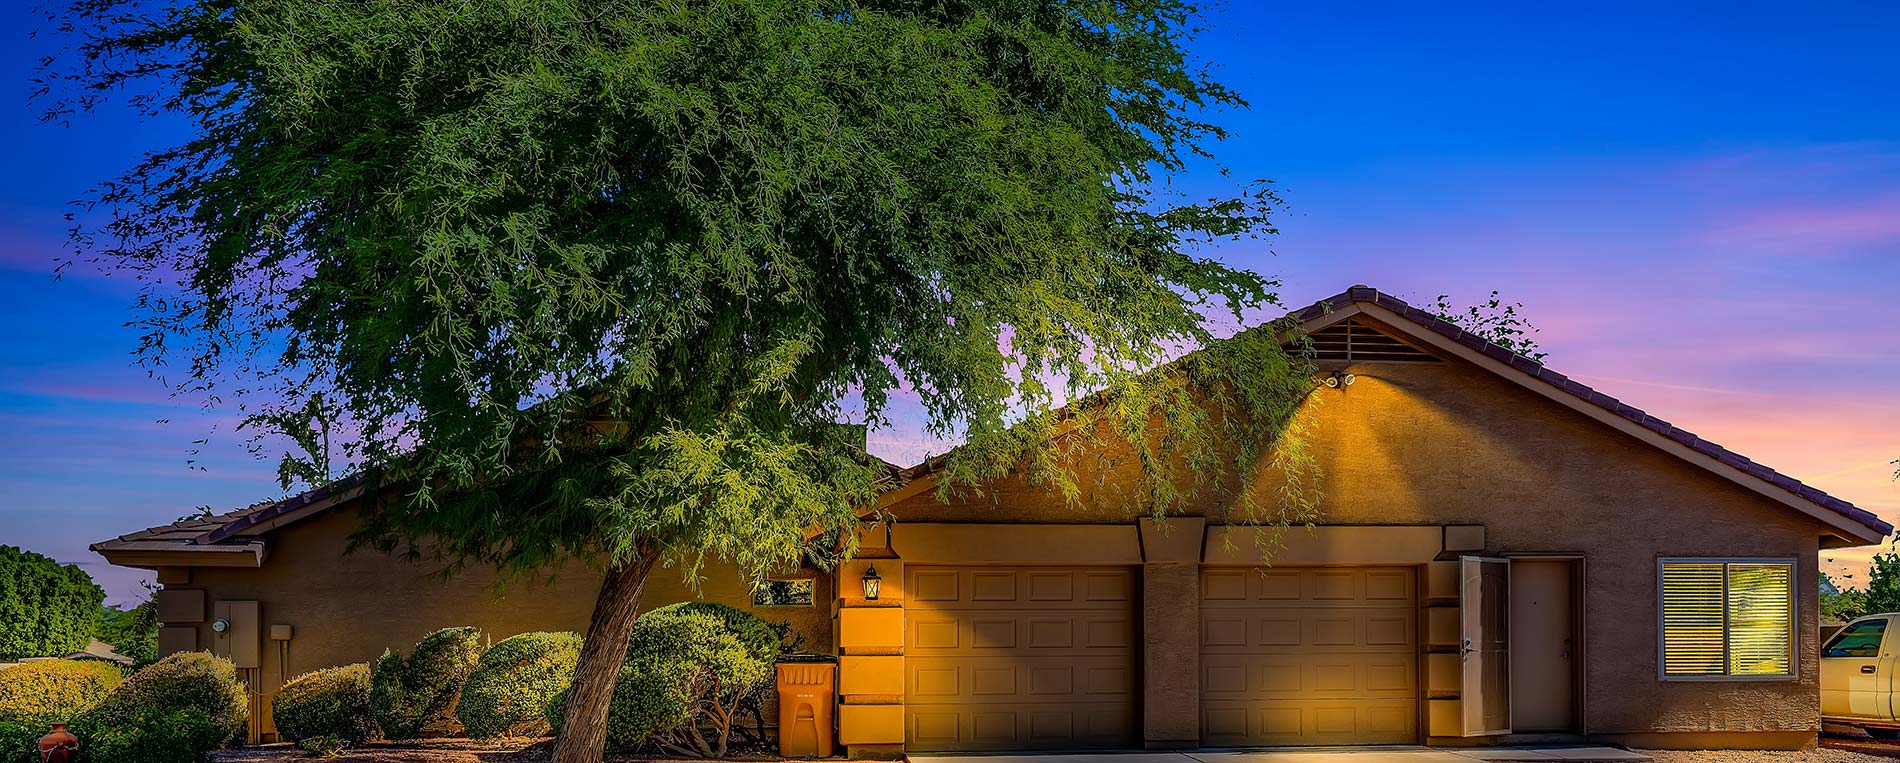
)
(1883, 733)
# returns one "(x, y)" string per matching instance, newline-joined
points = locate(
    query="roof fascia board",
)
(1847, 528)
(249, 555)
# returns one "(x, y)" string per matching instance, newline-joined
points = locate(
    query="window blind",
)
(1727, 618)
(1760, 619)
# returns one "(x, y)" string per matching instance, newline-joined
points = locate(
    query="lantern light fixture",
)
(1339, 380)
(871, 583)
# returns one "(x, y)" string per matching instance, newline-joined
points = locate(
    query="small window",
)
(1861, 639)
(1727, 619)
(783, 593)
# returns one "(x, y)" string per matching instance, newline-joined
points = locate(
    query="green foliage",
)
(1840, 604)
(38, 693)
(409, 696)
(476, 229)
(132, 632)
(321, 746)
(333, 702)
(153, 735)
(46, 609)
(1496, 321)
(688, 668)
(509, 692)
(173, 711)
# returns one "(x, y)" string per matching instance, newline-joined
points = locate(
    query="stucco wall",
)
(349, 608)
(1448, 443)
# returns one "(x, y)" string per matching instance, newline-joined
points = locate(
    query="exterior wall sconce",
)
(1338, 380)
(871, 583)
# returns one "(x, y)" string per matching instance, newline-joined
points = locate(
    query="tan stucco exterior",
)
(1450, 444)
(1423, 462)
(344, 608)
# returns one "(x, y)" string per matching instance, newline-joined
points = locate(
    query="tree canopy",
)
(602, 279)
(46, 609)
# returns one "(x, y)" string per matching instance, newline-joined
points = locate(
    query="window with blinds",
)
(1727, 618)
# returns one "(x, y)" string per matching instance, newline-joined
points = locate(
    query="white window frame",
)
(1794, 618)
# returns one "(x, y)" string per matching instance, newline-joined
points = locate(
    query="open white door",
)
(1484, 596)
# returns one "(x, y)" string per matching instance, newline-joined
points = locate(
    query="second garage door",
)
(1020, 658)
(1309, 656)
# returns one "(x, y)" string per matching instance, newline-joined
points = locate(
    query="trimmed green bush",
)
(333, 702)
(409, 696)
(684, 658)
(509, 692)
(46, 609)
(175, 710)
(34, 695)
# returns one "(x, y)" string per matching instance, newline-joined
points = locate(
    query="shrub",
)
(321, 746)
(46, 609)
(333, 702)
(509, 692)
(36, 694)
(688, 667)
(408, 696)
(175, 710)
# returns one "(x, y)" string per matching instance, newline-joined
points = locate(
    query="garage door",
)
(1020, 658)
(1309, 656)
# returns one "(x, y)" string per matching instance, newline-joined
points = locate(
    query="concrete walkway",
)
(1395, 754)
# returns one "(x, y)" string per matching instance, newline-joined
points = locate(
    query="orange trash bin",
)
(805, 699)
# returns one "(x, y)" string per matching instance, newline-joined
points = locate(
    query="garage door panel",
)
(1310, 722)
(1019, 726)
(1343, 629)
(1309, 656)
(1020, 658)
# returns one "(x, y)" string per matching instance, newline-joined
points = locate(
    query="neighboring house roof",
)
(233, 539)
(99, 650)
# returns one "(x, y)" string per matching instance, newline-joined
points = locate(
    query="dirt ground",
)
(440, 751)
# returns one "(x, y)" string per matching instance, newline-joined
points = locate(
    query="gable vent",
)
(1351, 340)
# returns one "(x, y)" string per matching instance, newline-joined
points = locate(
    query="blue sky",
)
(1699, 205)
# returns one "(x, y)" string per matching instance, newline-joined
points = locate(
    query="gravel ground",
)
(1818, 755)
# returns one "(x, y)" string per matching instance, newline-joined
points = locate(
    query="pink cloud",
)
(1809, 229)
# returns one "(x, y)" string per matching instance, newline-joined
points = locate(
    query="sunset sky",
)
(1700, 209)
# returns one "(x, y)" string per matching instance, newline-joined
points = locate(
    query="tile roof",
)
(222, 532)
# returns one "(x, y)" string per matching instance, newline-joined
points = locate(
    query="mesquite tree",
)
(600, 278)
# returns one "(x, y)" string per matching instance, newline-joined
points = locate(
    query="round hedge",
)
(410, 695)
(39, 693)
(333, 702)
(509, 692)
(175, 710)
(679, 657)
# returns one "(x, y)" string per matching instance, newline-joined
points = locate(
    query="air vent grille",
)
(1351, 340)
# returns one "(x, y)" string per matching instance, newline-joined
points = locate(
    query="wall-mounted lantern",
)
(1340, 381)
(871, 583)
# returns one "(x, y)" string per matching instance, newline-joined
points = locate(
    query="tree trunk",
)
(584, 728)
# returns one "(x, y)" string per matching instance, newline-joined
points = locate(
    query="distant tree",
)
(599, 279)
(1497, 321)
(1840, 603)
(1883, 584)
(46, 609)
(132, 632)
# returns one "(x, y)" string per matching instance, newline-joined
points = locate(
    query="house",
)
(1504, 556)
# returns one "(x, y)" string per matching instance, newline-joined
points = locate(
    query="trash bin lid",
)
(806, 657)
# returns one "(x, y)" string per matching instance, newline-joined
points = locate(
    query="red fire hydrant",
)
(59, 746)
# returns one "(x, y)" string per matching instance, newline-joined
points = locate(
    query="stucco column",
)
(1171, 632)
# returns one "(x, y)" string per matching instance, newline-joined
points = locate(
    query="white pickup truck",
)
(1857, 676)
